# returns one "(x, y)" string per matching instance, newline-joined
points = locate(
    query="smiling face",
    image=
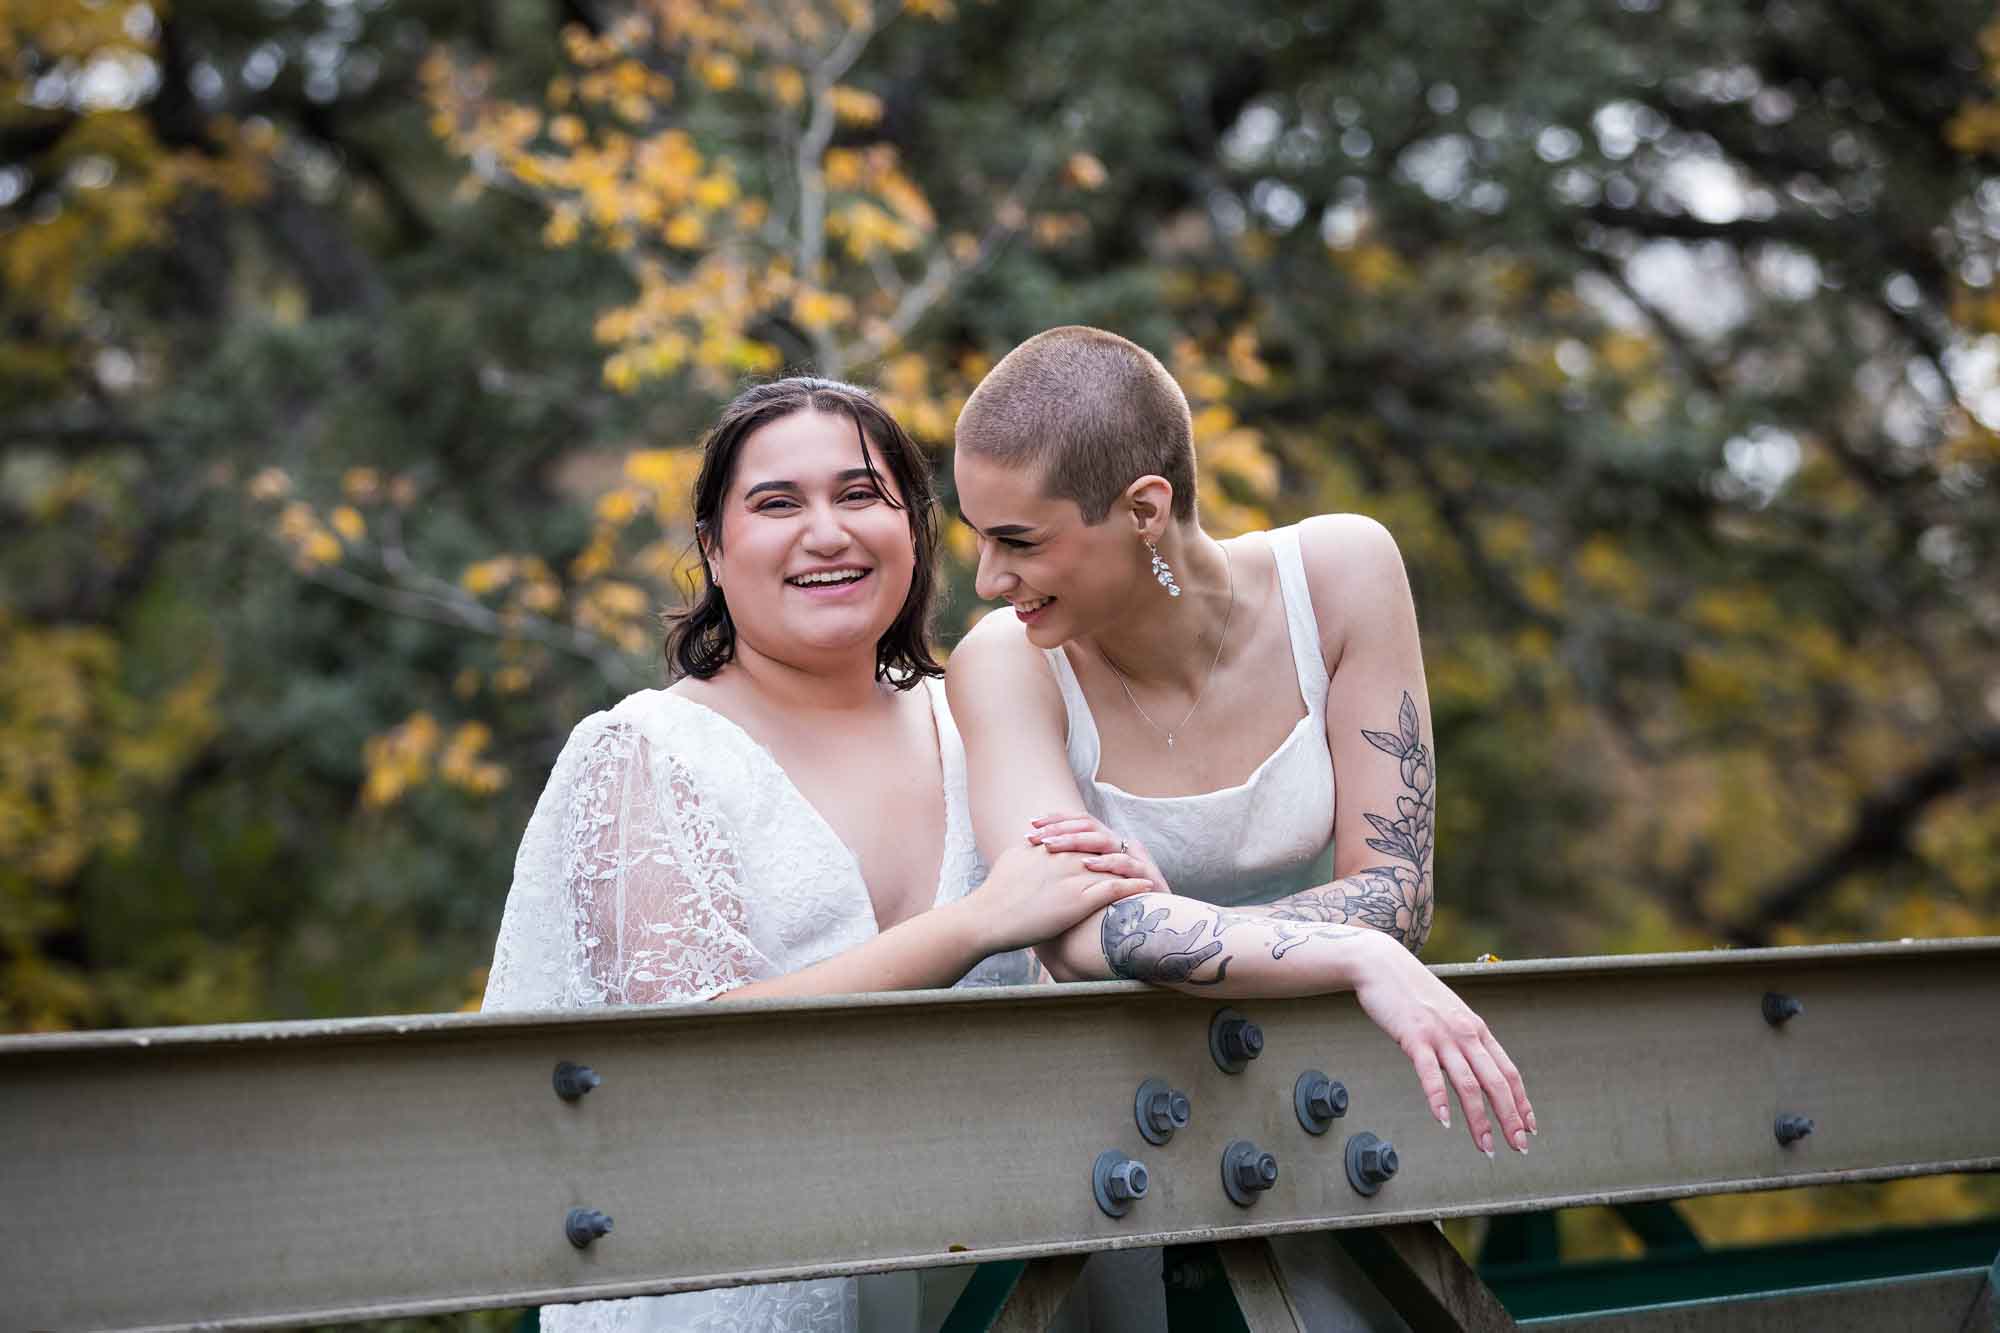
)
(1065, 578)
(812, 557)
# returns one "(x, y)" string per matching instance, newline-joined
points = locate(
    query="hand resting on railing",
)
(1201, 948)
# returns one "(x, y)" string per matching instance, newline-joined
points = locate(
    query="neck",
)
(1167, 640)
(836, 682)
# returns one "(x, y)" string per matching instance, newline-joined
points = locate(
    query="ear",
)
(711, 553)
(1151, 502)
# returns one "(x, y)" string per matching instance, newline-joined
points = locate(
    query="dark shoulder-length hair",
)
(701, 639)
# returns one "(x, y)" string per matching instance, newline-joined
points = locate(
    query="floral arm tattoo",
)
(1394, 899)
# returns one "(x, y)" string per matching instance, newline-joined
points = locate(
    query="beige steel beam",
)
(268, 1174)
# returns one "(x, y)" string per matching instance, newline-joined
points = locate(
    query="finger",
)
(1435, 1090)
(1105, 891)
(1116, 863)
(1499, 1094)
(1055, 826)
(1514, 1083)
(1094, 843)
(1057, 816)
(1470, 1099)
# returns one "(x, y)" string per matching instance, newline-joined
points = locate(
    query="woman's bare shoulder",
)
(995, 664)
(1355, 572)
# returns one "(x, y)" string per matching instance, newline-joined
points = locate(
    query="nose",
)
(991, 580)
(826, 531)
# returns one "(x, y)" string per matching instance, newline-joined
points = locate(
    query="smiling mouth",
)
(829, 578)
(1029, 608)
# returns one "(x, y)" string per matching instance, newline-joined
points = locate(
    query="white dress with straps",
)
(1268, 836)
(670, 858)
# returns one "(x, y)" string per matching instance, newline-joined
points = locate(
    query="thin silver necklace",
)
(1222, 639)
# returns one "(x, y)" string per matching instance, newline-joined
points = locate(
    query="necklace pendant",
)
(1170, 741)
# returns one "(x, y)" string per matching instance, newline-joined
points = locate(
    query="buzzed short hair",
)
(1093, 411)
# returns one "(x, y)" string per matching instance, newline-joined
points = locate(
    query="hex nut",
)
(1780, 1009)
(1371, 1162)
(1233, 1040)
(572, 1081)
(1247, 1171)
(584, 1225)
(1117, 1182)
(1160, 1110)
(1790, 1128)
(1318, 1101)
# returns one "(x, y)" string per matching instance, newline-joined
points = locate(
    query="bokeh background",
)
(352, 353)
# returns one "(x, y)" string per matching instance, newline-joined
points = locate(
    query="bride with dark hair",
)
(711, 839)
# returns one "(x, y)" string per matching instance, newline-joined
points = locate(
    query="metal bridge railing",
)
(268, 1174)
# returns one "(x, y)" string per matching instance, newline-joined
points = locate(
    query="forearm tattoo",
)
(1394, 899)
(1139, 945)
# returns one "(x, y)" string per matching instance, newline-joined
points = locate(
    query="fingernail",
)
(1486, 1144)
(1444, 1117)
(1488, 1152)
(1521, 1144)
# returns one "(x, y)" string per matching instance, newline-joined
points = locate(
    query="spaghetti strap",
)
(1300, 621)
(1081, 741)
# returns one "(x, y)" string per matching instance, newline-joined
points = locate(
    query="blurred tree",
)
(354, 352)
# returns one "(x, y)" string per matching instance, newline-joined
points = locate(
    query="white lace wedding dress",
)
(671, 859)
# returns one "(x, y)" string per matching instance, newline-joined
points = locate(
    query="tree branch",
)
(1880, 835)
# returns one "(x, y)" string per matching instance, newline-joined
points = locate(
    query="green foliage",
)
(1661, 335)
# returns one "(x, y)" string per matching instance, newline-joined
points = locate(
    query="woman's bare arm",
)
(1203, 949)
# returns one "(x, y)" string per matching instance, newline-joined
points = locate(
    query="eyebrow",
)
(1004, 530)
(839, 479)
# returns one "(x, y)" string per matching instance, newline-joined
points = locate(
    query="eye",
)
(861, 493)
(1015, 544)
(776, 503)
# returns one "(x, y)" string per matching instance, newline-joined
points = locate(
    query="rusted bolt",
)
(584, 1225)
(1117, 1182)
(1791, 1128)
(1247, 1171)
(572, 1080)
(1318, 1100)
(1234, 1041)
(1371, 1161)
(1780, 1009)
(1160, 1110)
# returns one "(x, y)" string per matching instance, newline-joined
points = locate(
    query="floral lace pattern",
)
(670, 859)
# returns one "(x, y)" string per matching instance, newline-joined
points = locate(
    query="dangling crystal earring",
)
(1163, 572)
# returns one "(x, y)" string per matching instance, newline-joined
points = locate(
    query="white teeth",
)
(1029, 608)
(830, 576)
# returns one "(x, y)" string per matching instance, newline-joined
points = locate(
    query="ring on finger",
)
(1123, 850)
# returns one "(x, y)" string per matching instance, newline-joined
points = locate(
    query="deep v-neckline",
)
(764, 755)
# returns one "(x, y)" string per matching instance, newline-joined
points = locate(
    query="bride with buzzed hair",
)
(1191, 708)
(1197, 704)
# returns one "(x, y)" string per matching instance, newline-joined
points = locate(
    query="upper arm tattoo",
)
(1394, 899)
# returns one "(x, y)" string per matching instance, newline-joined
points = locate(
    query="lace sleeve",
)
(627, 889)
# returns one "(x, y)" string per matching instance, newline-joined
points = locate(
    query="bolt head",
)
(1127, 1180)
(1253, 1040)
(1179, 1110)
(1327, 1099)
(1379, 1162)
